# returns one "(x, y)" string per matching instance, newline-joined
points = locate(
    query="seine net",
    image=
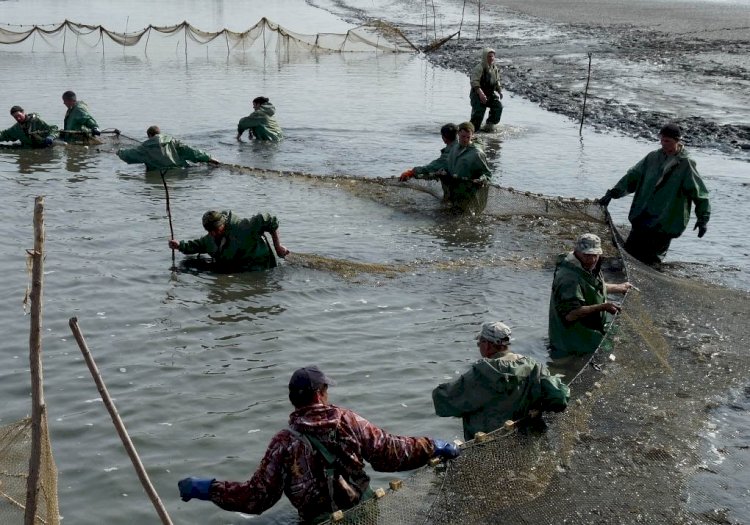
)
(375, 36)
(628, 446)
(15, 452)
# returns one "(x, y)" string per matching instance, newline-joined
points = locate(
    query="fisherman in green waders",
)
(78, 121)
(578, 308)
(318, 462)
(462, 169)
(236, 244)
(29, 130)
(666, 183)
(163, 152)
(499, 387)
(486, 92)
(260, 124)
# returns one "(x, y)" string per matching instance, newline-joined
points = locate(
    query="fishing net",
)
(630, 445)
(15, 452)
(266, 35)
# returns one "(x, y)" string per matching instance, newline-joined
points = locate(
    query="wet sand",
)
(652, 62)
(715, 20)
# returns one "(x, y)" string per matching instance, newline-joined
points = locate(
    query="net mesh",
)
(373, 36)
(629, 445)
(15, 452)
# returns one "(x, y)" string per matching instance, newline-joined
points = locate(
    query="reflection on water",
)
(387, 289)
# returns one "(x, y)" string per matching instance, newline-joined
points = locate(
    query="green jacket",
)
(573, 287)
(162, 152)
(261, 123)
(463, 165)
(30, 132)
(485, 76)
(78, 118)
(665, 188)
(242, 247)
(495, 390)
(424, 172)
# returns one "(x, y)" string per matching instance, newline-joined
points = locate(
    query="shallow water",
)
(198, 363)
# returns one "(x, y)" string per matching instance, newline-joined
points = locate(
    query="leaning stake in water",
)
(119, 425)
(169, 212)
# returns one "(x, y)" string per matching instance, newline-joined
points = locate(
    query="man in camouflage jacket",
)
(319, 461)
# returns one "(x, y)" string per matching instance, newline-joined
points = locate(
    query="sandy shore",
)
(652, 62)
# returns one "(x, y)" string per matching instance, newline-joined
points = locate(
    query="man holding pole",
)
(236, 244)
(78, 121)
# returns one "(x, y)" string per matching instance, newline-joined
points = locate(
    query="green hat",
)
(212, 219)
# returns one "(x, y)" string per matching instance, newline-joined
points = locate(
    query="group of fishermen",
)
(159, 151)
(319, 460)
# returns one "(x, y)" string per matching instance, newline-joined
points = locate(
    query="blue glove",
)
(446, 450)
(193, 487)
(48, 141)
(95, 132)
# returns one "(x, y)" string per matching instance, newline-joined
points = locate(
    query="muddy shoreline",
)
(666, 67)
(652, 62)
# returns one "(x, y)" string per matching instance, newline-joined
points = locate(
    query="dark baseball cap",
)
(309, 378)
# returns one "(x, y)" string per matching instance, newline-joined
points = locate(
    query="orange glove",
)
(408, 174)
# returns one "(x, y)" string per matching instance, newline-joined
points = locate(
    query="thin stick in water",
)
(169, 211)
(119, 425)
(585, 94)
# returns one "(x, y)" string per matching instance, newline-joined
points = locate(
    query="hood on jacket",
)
(315, 419)
(268, 109)
(497, 373)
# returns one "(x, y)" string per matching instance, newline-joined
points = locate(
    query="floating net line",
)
(376, 36)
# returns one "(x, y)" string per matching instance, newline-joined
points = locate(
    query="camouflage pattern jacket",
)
(290, 466)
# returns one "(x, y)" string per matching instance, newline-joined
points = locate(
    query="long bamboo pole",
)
(35, 358)
(119, 425)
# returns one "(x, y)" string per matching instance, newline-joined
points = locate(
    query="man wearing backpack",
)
(499, 387)
(319, 461)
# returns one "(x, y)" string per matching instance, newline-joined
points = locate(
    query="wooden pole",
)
(119, 425)
(169, 212)
(35, 358)
(585, 95)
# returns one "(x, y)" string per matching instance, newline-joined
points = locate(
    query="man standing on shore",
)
(666, 183)
(486, 92)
